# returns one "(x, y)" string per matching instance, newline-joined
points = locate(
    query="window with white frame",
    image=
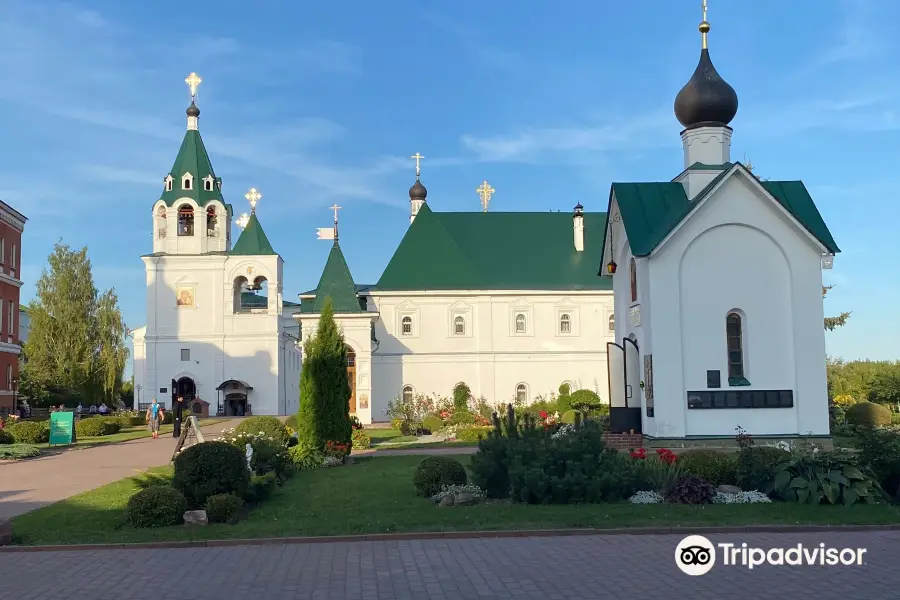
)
(565, 323)
(612, 322)
(185, 354)
(208, 183)
(12, 258)
(407, 393)
(187, 182)
(521, 394)
(406, 325)
(521, 323)
(459, 325)
(168, 181)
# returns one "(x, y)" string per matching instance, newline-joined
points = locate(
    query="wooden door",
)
(351, 376)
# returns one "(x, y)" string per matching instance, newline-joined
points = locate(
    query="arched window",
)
(459, 326)
(161, 222)
(168, 181)
(633, 269)
(351, 357)
(186, 220)
(407, 393)
(520, 323)
(187, 182)
(211, 221)
(734, 332)
(208, 183)
(406, 325)
(565, 323)
(612, 323)
(521, 393)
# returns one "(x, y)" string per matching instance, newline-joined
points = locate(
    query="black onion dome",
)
(417, 191)
(579, 207)
(706, 98)
(192, 110)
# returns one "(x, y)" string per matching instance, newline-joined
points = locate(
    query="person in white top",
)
(103, 408)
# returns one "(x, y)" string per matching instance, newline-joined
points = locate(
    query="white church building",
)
(706, 313)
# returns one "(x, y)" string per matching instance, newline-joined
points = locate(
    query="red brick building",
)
(12, 223)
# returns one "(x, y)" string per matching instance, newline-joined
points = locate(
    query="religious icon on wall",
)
(364, 401)
(184, 296)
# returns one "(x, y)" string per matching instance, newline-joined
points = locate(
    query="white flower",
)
(646, 497)
(452, 490)
(754, 497)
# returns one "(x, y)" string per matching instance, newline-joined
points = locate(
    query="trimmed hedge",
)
(437, 471)
(270, 426)
(868, 414)
(156, 506)
(223, 508)
(718, 468)
(31, 432)
(432, 423)
(95, 427)
(472, 434)
(210, 468)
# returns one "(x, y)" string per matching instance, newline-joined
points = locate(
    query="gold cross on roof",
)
(485, 191)
(253, 197)
(417, 157)
(242, 221)
(336, 208)
(193, 80)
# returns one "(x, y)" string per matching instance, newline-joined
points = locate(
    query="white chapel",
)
(705, 313)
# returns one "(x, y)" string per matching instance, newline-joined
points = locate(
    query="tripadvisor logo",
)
(696, 555)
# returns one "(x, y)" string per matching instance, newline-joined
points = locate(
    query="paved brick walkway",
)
(27, 485)
(561, 568)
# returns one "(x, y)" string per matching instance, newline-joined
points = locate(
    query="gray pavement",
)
(550, 568)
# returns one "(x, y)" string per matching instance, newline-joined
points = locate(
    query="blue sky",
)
(317, 103)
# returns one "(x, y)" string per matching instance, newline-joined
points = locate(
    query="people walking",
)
(179, 405)
(155, 415)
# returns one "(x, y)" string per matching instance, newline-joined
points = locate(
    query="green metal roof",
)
(495, 251)
(253, 240)
(650, 211)
(336, 283)
(253, 300)
(192, 158)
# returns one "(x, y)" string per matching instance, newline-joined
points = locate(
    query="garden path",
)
(29, 484)
(613, 566)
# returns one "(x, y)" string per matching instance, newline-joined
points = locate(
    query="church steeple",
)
(253, 240)
(417, 193)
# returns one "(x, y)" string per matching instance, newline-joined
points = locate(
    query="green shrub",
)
(95, 427)
(690, 489)
(868, 414)
(168, 417)
(755, 467)
(432, 423)
(396, 424)
(270, 426)
(879, 450)
(437, 471)
(585, 401)
(292, 422)
(156, 506)
(305, 458)
(223, 508)
(261, 487)
(568, 417)
(6, 437)
(361, 440)
(18, 451)
(472, 434)
(718, 468)
(462, 417)
(461, 395)
(895, 418)
(210, 468)
(31, 432)
(824, 477)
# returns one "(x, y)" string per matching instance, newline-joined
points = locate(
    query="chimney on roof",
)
(578, 227)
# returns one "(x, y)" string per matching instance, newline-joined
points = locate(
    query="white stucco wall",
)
(738, 250)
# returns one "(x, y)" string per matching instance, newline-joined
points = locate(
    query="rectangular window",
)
(9, 377)
(12, 258)
(11, 319)
(1, 315)
(185, 354)
(2, 251)
(734, 335)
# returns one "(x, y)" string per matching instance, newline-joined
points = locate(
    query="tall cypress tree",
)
(324, 387)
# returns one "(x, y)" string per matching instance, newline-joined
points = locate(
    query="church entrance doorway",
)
(186, 388)
(234, 398)
(351, 377)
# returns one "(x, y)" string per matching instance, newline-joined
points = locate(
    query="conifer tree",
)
(324, 387)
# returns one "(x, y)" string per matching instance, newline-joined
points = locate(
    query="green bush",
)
(437, 471)
(585, 401)
(270, 426)
(568, 417)
(361, 440)
(718, 468)
(305, 458)
(756, 466)
(156, 506)
(223, 508)
(6, 437)
(472, 434)
(432, 423)
(462, 417)
(868, 414)
(95, 427)
(824, 477)
(210, 468)
(261, 487)
(292, 422)
(31, 432)
(168, 417)
(879, 450)
(690, 489)
(461, 395)
(18, 451)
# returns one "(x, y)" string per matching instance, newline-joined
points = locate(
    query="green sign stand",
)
(62, 428)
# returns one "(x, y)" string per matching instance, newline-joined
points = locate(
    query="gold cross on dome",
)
(703, 6)
(417, 157)
(485, 191)
(242, 221)
(253, 197)
(193, 80)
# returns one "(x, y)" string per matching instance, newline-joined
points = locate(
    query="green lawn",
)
(134, 433)
(387, 436)
(376, 495)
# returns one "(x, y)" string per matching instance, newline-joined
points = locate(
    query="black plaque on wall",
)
(713, 379)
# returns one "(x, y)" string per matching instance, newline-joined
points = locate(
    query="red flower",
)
(639, 454)
(666, 455)
(543, 414)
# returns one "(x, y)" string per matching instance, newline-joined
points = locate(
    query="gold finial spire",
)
(417, 157)
(485, 191)
(335, 208)
(253, 197)
(704, 26)
(193, 80)
(242, 221)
